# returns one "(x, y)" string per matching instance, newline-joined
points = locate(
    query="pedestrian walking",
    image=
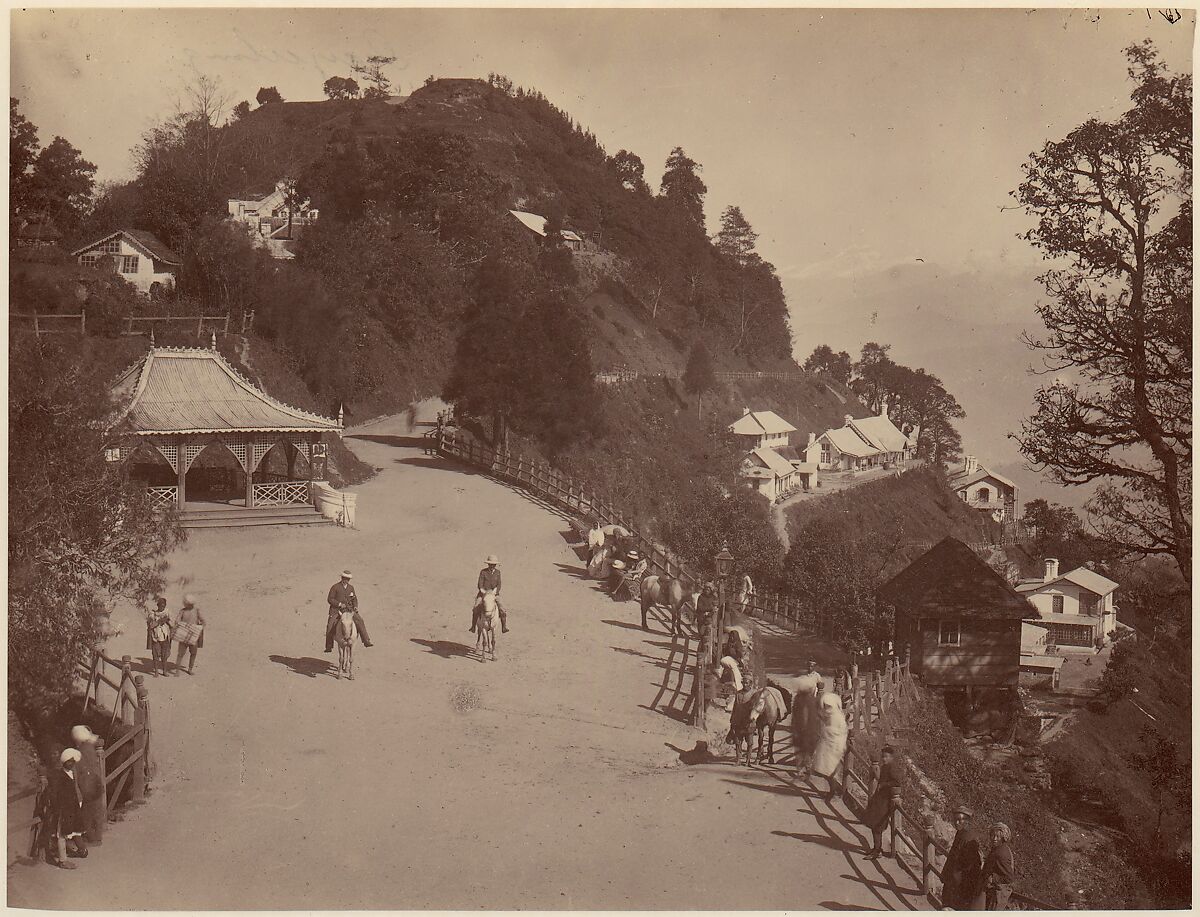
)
(66, 821)
(158, 636)
(91, 784)
(342, 596)
(885, 795)
(188, 633)
(999, 869)
(964, 864)
(595, 541)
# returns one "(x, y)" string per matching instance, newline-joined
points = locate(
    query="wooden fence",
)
(131, 707)
(146, 324)
(614, 376)
(51, 324)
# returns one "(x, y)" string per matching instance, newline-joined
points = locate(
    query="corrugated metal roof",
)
(881, 432)
(771, 459)
(1041, 662)
(538, 224)
(982, 474)
(192, 390)
(849, 442)
(1080, 576)
(757, 423)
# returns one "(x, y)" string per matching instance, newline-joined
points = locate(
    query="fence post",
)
(928, 855)
(199, 326)
(100, 753)
(846, 775)
(893, 810)
(82, 320)
(37, 331)
(141, 744)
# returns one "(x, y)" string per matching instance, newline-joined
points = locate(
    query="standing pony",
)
(806, 712)
(663, 590)
(758, 712)
(489, 616)
(344, 632)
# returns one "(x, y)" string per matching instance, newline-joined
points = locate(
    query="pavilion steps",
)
(238, 516)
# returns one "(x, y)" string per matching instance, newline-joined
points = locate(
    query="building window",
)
(111, 247)
(985, 495)
(1058, 604)
(90, 258)
(826, 454)
(948, 634)
(1087, 604)
(129, 264)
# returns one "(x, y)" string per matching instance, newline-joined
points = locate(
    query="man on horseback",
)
(341, 596)
(489, 579)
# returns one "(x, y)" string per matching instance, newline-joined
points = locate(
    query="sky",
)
(856, 142)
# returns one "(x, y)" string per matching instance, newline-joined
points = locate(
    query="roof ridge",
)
(229, 367)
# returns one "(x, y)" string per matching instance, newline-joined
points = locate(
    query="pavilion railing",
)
(162, 497)
(281, 493)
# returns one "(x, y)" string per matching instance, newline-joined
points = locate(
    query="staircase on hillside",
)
(227, 516)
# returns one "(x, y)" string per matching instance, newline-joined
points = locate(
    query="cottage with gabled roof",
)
(761, 429)
(180, 405)
(537, 225)
(771, 474)
(1078, 606)
(140, 257)
(985, 490)
(862, 442)
(959, 618)
(272, 221)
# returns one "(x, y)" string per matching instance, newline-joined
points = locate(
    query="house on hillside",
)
(959, 619)
(537, 225)
(1078, 606)
(138, 256)
(271, 221)
(862, 442)
(769, 473)
(985, 490)
(806, 471)
(760, 429)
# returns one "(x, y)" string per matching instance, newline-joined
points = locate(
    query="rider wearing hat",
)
(341, 595)
(489, 580)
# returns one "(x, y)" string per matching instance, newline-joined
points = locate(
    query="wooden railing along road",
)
(131, 707)
(614, 376)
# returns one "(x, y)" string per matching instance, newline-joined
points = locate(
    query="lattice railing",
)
(162, 497)
(281, 493)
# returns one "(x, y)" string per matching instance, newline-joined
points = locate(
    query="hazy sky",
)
(854, 141)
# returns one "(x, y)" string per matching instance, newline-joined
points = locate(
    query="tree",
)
(736, 239)
(341, 87)
(682, 188)
(267, 95)
(698, 375)
(22, 152)
(1114, 198)
(62, 182)
(630, 170)
(372, 72)
(871, 374)
(825, 362)
(87, 534)
(240, 110)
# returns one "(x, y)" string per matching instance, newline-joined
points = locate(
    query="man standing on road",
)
(961, 872)
(341, 595)
(489, 579)
(91, 787)
(188, 633)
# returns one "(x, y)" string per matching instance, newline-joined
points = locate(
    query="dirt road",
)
(541, 781)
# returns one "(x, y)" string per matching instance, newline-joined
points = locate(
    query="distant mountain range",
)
(961, 325)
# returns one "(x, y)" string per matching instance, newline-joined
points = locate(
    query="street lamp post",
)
(724, 565)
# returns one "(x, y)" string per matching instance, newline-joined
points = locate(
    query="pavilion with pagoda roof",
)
(204, 438)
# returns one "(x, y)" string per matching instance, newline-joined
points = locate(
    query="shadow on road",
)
(838, 906)
(824, 840)
(408, 442)
(447, 649)
(577, 572)
(441, 464)
(304, 665)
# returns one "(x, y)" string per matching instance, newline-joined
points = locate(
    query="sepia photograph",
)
(599, 458)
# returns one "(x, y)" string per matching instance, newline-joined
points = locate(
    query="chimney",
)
(883, 409)
(812, 438)
(745, 411)
(970, 464)
(847, 419)
(1051, 569)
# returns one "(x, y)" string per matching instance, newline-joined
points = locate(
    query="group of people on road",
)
(71, 805)
(187, 630)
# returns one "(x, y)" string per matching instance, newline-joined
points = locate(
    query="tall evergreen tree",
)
(681, 186)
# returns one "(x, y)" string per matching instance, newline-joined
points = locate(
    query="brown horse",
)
(758, 712)
(663, 590)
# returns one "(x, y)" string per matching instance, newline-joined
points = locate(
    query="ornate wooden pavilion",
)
(188, 409)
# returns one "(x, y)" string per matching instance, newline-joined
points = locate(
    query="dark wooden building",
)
(959, 618)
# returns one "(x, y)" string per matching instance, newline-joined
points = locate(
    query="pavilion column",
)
(250, 466)
(181, 495)
(290, 451)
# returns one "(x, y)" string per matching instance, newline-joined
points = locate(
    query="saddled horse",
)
(489, 618)
(663, 590)
(758, 712)
(344, 633)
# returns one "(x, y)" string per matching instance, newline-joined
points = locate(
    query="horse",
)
(758, 711)
(663, 590)
(344, 633)
(489, 616)
(806, 712)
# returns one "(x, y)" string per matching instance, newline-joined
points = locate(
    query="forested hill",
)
(413, 195)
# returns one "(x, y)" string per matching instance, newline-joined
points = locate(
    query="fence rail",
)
(131, 707)
(38, 322)
(615, 376)
(134, 323)
(282, 493)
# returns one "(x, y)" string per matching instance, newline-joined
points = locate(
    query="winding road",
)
(541, 781)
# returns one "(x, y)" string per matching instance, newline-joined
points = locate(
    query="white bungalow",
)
(761, 429)
(271, 221)
(138, 256)
(769, 473)
(1078, 606)
(861, 442)
(537, 225)
(985, 490)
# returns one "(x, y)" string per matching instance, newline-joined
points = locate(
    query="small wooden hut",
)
(959, 619)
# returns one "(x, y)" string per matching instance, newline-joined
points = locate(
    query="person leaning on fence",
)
(65, 825)
(188, 633)
(158, 636)
(999, 870)
(962, 869)
(342, 596)
(885, 795)
(91, 783)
